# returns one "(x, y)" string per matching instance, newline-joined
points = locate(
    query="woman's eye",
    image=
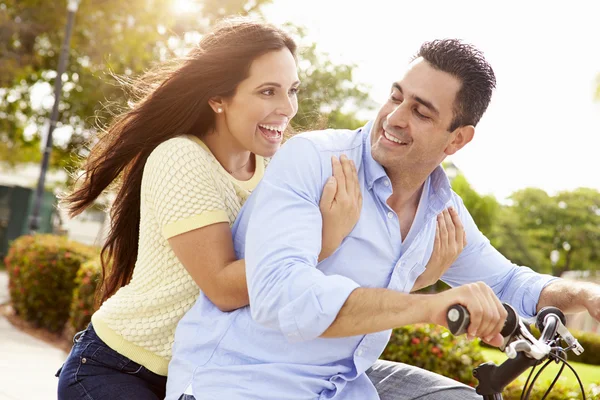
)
(294, 90)
(268, 92)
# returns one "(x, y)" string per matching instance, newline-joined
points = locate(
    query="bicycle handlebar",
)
(523, 349)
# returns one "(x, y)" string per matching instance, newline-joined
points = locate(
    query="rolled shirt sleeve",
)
(516, 285)
(287, 292)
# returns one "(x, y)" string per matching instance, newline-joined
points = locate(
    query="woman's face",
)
(263, 105)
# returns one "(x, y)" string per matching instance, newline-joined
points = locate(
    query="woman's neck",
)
(235, 159)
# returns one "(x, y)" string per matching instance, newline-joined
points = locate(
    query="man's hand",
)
(487, 312)
(340, 204)
(450, 240)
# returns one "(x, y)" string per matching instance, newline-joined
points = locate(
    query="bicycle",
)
(522, 348)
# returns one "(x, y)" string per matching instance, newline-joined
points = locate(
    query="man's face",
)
(410, 133)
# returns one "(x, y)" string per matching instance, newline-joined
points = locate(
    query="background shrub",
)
(41, 272)
(435, 349)
(560, 391)
(83, 303)
(591, 346)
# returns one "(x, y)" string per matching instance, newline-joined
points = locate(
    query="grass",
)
(587, 373)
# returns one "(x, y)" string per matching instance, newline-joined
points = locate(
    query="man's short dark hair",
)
(466, 63)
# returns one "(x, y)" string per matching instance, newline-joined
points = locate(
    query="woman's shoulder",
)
(180, 150)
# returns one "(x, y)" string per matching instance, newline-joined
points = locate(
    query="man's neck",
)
(407, 190)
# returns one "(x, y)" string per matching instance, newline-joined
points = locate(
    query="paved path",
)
(27, 364)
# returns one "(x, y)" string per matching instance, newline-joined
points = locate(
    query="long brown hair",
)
(169, 101)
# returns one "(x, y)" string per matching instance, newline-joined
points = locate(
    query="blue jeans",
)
(94, 371)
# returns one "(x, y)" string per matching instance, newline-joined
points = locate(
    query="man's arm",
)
(373, 310)
(287, 291)
(572, 296)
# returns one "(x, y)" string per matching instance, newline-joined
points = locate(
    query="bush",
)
(560, 391)
(591, 346)
(41, 271)
(83, 304)
(435, 349)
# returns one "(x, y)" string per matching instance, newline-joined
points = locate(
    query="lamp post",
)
(34, 223)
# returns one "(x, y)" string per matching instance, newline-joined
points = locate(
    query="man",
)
(316, 331)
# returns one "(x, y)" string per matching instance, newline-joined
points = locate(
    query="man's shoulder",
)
(332, 140)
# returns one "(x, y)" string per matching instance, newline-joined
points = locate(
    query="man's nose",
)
(398, 117)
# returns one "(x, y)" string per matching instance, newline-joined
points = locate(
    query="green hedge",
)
(560, 391)
(83, 303)
(435, 349)
(42, 270)
(591, 346)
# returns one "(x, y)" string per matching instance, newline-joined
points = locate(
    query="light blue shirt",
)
(272, 349)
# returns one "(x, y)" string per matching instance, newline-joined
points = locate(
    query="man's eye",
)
(420, 115)
(395, 99)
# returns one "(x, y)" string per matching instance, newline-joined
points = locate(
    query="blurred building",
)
(90, 227)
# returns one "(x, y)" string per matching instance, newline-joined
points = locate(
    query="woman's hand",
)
(340, 204)
(450, 240)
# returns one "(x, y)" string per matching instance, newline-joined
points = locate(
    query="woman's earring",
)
(219, 110)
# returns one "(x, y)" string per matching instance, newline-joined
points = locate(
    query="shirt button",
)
(360, 352)
(386, 182)
(390, 214)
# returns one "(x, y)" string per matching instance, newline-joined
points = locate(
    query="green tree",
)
(125, 38)
(551, 234)
(483, 209)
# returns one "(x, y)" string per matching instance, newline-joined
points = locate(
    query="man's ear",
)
(462, 136)
(217, 104)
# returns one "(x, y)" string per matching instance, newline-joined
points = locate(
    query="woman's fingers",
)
(338, 173)
(449, 228)
(328, 195)
(348, 175)
(443, 230)
(460, 234)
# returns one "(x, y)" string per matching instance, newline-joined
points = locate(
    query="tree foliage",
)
(124, 38)
(551, 234)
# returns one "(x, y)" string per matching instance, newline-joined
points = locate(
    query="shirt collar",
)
(373, 170)
(440, 191)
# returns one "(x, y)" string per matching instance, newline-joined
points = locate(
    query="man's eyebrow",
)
(418, 99)
(275, 84)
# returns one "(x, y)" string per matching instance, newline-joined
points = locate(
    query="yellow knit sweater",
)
(183, 188)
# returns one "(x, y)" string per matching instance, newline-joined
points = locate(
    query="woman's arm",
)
(208, 255)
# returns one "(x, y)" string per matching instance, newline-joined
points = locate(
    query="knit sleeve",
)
(180, 187)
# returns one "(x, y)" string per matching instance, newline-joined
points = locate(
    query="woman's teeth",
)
(278, 129)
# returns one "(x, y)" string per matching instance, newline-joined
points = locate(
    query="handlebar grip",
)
(458, 319)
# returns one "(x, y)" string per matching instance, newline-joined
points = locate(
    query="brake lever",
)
(573, 343)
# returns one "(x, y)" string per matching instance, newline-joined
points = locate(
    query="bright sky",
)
(542, 128)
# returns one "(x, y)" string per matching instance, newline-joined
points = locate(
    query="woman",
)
(187, 155)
